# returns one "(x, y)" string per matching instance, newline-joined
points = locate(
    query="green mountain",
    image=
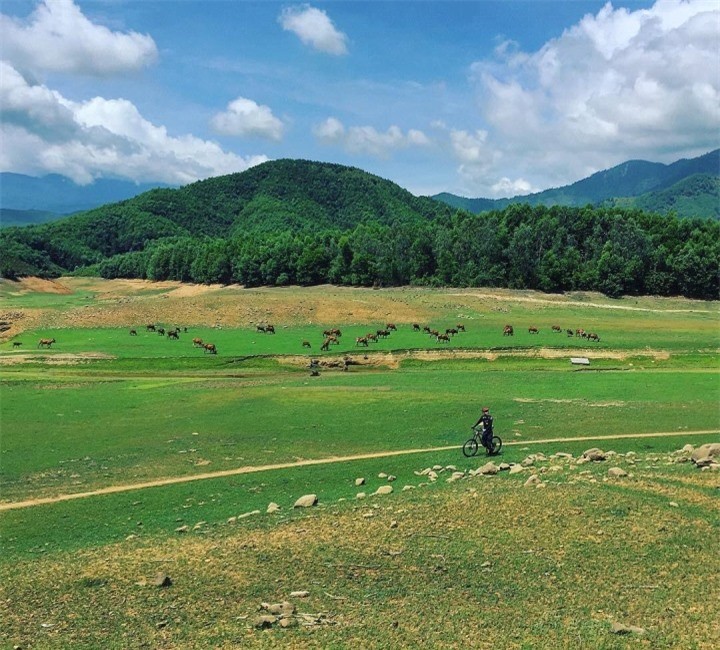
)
(10, 217)
(660, 186)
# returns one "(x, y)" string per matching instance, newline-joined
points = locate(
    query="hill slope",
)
(634, 178)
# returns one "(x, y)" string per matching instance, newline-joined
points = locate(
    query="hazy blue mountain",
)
(58, 194)
(634, 178)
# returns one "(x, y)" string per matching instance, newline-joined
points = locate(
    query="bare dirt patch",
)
(38, 285)
(52, 359)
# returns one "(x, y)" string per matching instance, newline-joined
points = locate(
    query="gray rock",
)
(710, 450)
(359, 481)
(263, 622)
(384, 489)
(517, 469)
(617, 472)
(162, 580)
(532, 480)
(489, 469)
(306, 501)
(272, 507)
(621, 628)
(360, 495)
(594, 454)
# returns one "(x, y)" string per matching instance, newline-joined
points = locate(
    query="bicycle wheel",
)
(496, 445)
(470, 448)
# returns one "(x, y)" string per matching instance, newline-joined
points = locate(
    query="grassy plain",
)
(102, 408)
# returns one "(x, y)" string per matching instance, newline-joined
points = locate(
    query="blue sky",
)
(478, 98)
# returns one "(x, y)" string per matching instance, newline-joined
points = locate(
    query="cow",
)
(161, 331)
(533, 330)
(371, 336)
(133, 332)
(426, 329)
(451, 331)
(508, 330)
(45, 343)
(269, 329)
(593, 337)
(17, 344)
(326, 345)
(570, 332)
(260, 328)
(361, 340)
(443, 338)
(210, 348)
(383, 334)
(150, 327)
(306, 344)
(173, 334)
(557, 329)
(460, 327)
(198, 343)
(416, 327)
(391, 327)
(579, 332)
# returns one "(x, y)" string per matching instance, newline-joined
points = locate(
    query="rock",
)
(517, 469)
(359, 481)
(182, 529)
(688, 449)
(486, 564)
(279, 609)
(710, 450)
(621, 628)
(360, 495)
(504, 467)
(673, 504)
(393, 524)
(162, 580)
(286, 622)
(617, 472)
(384, 489)
(533, 480)
(231, 520)
(263, 622)
(272, 508)
(248, 514)
(391, 478)
(489, 469)
(527, 462)
(306, 501)
(382, 475)
(455, 476)
(594, 454)
(406, 488)
(299, 594)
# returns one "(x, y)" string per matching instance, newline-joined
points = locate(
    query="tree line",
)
(552, 249)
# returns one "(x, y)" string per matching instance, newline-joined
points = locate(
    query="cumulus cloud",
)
(314, 28)
(367, 139)
(57, 37)
(620, 84)
(44, 132)
(244, 117)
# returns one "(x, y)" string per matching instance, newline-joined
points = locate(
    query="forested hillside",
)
(297, 222)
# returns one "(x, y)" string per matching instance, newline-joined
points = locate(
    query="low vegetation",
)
(590, 558)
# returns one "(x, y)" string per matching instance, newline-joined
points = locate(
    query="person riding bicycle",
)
(487, 427)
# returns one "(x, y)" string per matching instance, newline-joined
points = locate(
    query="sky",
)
(479, 98)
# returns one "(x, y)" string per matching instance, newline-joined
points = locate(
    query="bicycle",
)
(471, 446)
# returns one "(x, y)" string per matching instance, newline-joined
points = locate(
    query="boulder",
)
(708, 451)
(162, 580)
(359, 481)
(533, 480)
(272, 507)
(517, 469)
(617, 472)
(489, 469)
(306, 501)
(594, 454)
(263, 622)
(384, 489)
(621, 628)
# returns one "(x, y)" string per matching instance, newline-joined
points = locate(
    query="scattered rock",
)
(408, 487)
(384, 489)
(533, 480)
(272, 508)
(382, 475)
(306, 501)
(707, 451)
(517, 469)
(182, 529)
(359, 481)
(263, 622)
(617, 472)
(360, 495)
(162, 580)
(594, 454)
(621, 628)
(299, 594)
(286, 622)
(391, 478)
(248, 514)
(455, 476)
(674, 504)
(489, 469)
(393, 524)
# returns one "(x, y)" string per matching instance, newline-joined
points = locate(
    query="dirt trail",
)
(114, 489)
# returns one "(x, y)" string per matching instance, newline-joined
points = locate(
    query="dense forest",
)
(294, 222)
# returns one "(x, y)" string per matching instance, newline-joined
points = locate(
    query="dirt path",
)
(114, 489)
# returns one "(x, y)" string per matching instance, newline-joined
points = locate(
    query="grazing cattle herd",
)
(332, 336)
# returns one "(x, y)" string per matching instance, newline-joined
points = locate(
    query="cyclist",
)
(487, 427)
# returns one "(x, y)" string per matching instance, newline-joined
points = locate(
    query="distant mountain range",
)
(26, 200)
(689, 187)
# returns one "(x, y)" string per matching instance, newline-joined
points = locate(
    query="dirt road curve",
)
(113, 489)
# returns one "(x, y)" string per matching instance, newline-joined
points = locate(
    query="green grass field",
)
(102, 408)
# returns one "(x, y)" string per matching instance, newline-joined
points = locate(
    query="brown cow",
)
(533, 330)
(45, 343)
(133, 332)
(326, 345)
(174, 334)
(508, 330)
(361, 340)
(306, 344)
(150, 327)
(416, 327)
(557, 329)
(198, 343)
(460, 327)
(390, 326)
(593, 337)
(210, 347)
(443, 338)
(269, 329)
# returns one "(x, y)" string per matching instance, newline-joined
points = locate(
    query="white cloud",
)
(57, 37)
(44, 132)
(367, 139)
(244, 117)
(620, 84)
(314, 28)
